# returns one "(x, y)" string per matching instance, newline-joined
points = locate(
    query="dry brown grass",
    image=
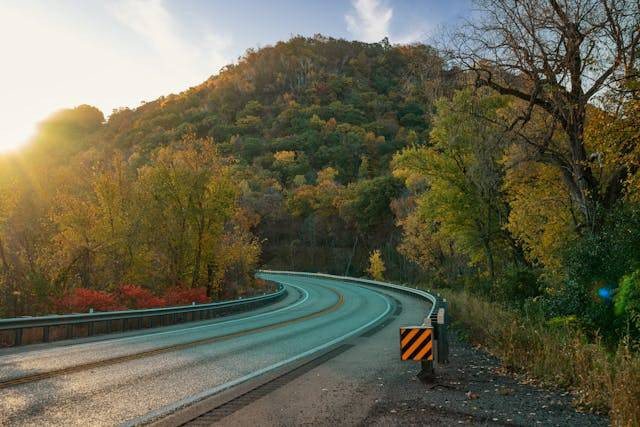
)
(556, 356)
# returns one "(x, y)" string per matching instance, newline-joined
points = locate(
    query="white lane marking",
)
(210, 392)
(43, 352)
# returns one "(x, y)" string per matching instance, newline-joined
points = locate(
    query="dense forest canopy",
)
(507, 164)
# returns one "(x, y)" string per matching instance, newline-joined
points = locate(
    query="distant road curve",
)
(137, 377)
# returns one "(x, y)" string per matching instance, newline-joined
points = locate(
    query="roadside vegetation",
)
(556, 353)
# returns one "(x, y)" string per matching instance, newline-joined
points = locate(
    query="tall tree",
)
(189, 196)
(463, 202)
(556, 56)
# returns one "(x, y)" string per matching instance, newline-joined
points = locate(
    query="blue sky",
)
(59, 54)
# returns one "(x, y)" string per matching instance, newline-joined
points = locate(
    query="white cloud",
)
(371, 20)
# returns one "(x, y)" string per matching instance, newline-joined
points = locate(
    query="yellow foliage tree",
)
(542, 217)
(615, 140)
(284, 156)
(376, 265)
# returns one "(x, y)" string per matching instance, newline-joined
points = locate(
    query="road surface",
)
(136, 377)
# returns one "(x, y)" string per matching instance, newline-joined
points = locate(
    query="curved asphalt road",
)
(119, 379)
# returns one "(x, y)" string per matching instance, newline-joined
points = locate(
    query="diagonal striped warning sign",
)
(416, 342)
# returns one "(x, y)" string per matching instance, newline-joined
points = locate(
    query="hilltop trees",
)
(290, 111)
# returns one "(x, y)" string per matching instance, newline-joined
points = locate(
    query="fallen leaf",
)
(506, 391)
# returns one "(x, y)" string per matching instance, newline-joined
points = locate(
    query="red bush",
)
(134, 296)
(80, 300)
(261, 283)
(181, 295)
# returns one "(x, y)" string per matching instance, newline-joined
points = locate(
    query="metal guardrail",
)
(68, 326)
(437, 317)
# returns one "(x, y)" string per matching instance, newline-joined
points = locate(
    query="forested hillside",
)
(313, 125)
(282, 160)
(317, 154)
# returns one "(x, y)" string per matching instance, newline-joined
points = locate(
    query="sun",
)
(15, 135)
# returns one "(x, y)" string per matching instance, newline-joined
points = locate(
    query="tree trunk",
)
(209, 280)
(195, 279)
(353, 252)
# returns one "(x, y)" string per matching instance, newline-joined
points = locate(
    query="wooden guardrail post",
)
(443, 339)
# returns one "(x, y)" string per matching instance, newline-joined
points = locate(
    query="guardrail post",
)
(443, 339)
(18, 337)
(427, 372)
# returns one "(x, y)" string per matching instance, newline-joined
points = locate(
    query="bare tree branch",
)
(558, 56)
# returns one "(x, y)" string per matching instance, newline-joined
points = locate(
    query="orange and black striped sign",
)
(416, 342)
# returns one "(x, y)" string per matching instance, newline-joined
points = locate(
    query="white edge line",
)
(210, 392)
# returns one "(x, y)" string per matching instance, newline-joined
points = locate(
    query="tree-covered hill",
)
(305, 129)
(288, 112)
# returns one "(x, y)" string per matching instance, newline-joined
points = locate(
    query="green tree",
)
(463, 203)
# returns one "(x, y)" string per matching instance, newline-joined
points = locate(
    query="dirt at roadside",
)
(472, 390)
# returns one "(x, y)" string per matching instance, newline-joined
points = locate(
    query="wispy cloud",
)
(151, 20)
(370, 21)
(417, 35)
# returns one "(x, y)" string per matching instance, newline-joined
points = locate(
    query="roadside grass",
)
(557, 355)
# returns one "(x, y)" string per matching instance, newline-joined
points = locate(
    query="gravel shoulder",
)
(473, 390)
